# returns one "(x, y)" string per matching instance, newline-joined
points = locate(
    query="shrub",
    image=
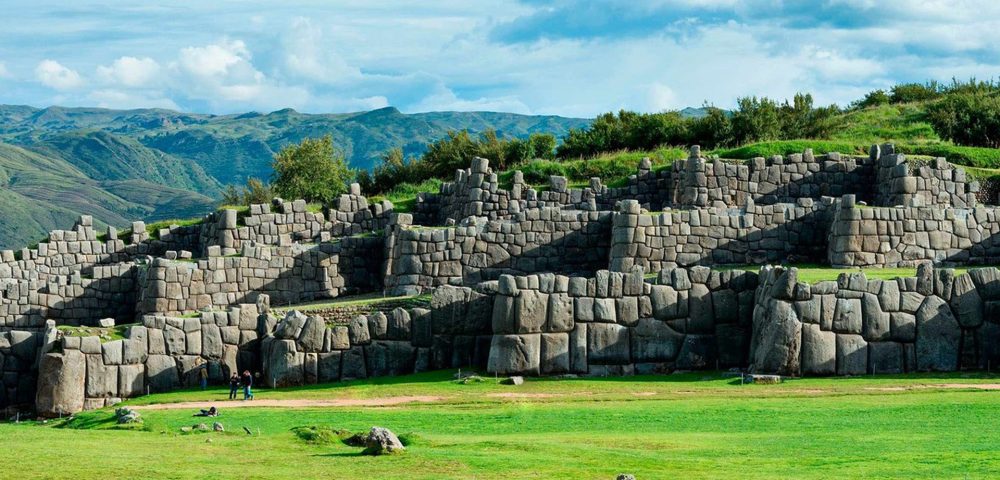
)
(914, 92)
(755, 120)
(971, 119)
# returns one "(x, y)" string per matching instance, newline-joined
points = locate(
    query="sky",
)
(562, 57)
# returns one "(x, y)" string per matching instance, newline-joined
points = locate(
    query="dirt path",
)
(293, 403)
(949, 386)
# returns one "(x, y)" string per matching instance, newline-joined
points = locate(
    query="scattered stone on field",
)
(201, 427)
(186, 429)
(218, 427)
(126, 415)
(625, 476)
(515, 380)
(106, 322)
(382, 441)
(765, 379)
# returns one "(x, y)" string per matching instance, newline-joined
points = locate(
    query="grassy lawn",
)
(811, 273)
(679, 426)
(354, 301)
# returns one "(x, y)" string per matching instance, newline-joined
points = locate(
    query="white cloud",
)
(661, 97)
(110, 98)
(54, 75)
(217, 60)
(444, 99)
(310, 55)
(130, 71)
(4, 73)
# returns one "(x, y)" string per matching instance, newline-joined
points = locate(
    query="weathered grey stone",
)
(819, 351)
(311, 336)
(389, 358)
(381, 441)
(697, 352)
(777, 339)
(578, 348)
(284, 364)
(885, 357)
(352, 364)
(654, 341)
(852, 355)
(131, 380)
(938, 336)
(604, 310)
(966, 302)
(555, 353)
(61, 380)
(531, 311)
(515, 354)
(875, 322)
(102, 380)
(902, 327)
(847, 316)
(664, 299)
(608, 344)
(161, 373)
(560, 312)
(357, 330)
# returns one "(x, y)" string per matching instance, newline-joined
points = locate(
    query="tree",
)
(873, 99)
(755, 120)
(312, 170)
(712, 130)
(971, 119)
(543, 145)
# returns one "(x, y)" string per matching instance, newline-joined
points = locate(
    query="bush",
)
(788, 147)
(873, 99)
(755, 120)
(311, 170)
(971, 119)
(914, 92)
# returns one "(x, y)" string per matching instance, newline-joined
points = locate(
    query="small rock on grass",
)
(517, 380)
(625, 476)
(382, 441)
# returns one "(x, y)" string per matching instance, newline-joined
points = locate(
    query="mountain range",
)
(153, 164)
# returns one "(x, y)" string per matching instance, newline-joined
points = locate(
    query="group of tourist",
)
(236, 381)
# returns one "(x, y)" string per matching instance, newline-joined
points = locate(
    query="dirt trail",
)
(293, 403)
(960, 386)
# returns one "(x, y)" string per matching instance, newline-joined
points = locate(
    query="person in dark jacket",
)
(234, 385)
(247, 381)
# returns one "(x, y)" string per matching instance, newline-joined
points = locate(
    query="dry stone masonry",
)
(565, 280)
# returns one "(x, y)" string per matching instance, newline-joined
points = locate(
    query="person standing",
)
(234, 385)
(203, 375)
(247, 382)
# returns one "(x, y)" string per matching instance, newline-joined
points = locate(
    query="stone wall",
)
(755, 234)
(888, 236)
(916, 184)
(161, 354)
(19, 349)
(936, 321)
(288, 274)
(537, 240)
(309, 349)
(725, 183)
(615, 323)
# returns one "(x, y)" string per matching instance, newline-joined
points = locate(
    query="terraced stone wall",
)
(922, 184)
(778, 179)
(756, 234)
(907, 236)
(542, 239)
(19, 349)
(934, 322)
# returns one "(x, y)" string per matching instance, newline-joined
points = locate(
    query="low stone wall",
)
(161, 354)
(888, 237)
(615, 323)
(544, 239)
(934, 183)
(453, 333)
(710, 236)
(935, 321)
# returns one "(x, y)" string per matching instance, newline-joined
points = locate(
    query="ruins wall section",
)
(544, 239)
(709, 236)
(890, 236)
(616, 323)
(934, 322)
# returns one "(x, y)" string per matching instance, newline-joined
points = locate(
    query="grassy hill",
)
(121, 165)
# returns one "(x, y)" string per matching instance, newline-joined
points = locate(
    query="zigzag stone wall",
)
(544, 239)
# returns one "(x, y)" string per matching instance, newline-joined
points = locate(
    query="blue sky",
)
(574, 58)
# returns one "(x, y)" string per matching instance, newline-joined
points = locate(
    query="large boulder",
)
(852, 355)
(61, 378)
(283, 364)
(161, 373)
(938, 336)
(777, 339)
(381, 441)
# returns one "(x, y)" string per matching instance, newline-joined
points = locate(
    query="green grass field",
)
(700, 425)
